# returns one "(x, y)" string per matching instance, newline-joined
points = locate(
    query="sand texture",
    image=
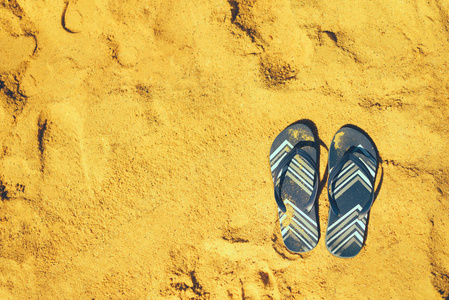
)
(135, 135)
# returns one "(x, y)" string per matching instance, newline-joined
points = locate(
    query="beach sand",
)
(135, 138)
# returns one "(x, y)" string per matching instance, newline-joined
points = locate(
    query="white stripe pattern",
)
(357, 207)
(297, 228)
(354, 174)
(346, 231)
(300, 227)
(278, 149)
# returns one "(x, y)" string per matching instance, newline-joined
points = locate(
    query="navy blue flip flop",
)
(293, 159)
(353, 163)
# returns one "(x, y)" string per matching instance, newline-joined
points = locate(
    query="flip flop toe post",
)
(293, 160)
(353, 163)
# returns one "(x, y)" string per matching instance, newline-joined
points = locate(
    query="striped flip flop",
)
(353, 163)
(293, 160)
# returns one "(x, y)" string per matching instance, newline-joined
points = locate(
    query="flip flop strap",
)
(285, 162)
(333, 176)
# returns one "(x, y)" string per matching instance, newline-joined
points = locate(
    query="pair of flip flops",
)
(353, 162)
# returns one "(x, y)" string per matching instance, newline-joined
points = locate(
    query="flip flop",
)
(353, 163)
(293, 160)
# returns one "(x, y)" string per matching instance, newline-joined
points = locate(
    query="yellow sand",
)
(135, 137)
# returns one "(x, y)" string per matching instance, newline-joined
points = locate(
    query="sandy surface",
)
(135, 137)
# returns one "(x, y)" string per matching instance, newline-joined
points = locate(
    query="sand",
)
(135, 138)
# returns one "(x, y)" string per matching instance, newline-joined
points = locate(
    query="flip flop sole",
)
(299, 229)
(345, 234)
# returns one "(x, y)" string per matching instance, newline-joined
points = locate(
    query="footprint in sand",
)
(80, 16)
(16, 178)
(284, 49)
(60, 141)
(183, 280)
(16, 170)
(259, 283)
(127, 43)
(235, 263)
(16, 45)
(194, 270)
